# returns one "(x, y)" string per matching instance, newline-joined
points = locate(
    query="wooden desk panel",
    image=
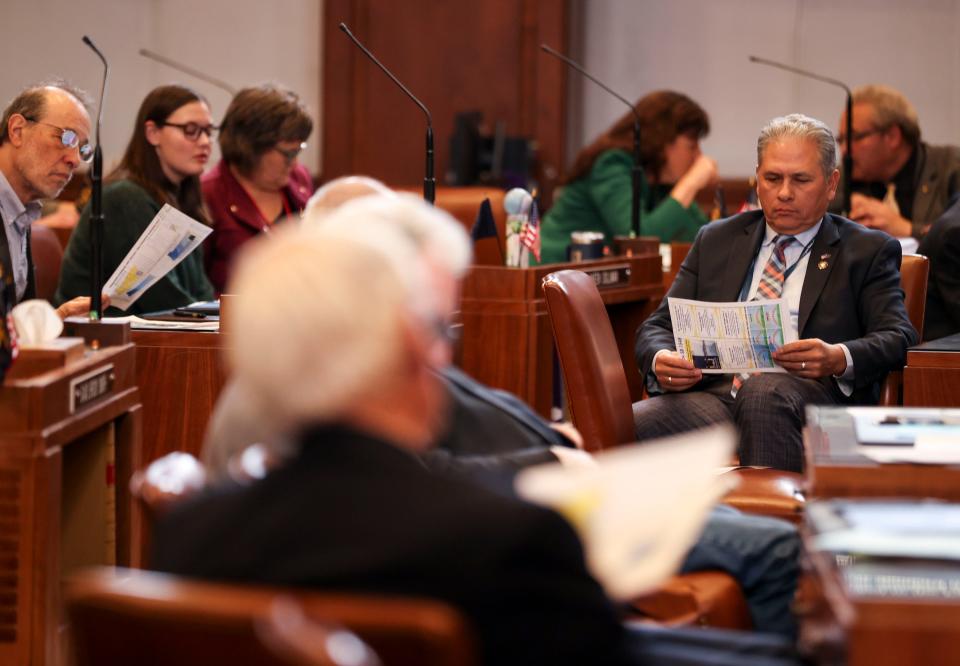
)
(37, 436)
(837, 626)
(932, 375)
(507, 341)
(180, 374)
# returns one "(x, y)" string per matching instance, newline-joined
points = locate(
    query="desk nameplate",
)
(607, 277)
(90, 387)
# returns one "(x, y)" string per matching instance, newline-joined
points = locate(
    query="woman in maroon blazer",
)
(258, 181)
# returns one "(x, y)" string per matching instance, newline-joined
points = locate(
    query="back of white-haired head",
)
(318, 320)
(338, 191)
(437, 235)
(799, 126)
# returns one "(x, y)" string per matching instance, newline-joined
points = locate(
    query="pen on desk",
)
(191, 315)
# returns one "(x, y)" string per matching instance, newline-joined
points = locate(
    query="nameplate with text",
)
(92, 386)
(607, 277)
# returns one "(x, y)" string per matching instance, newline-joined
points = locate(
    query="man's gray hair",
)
(799, 126)
(318, 319)
(890, 108)
(31, 102)
(433, 231)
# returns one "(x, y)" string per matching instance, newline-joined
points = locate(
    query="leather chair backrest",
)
(125, 616)
(597, 390)
(47, 256)
(463, 203)
(914, 275)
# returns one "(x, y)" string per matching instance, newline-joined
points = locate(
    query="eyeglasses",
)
(858, 136)
(291, 155)
(69, 138)
(192, 130)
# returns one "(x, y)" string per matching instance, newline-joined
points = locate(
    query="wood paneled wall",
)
(455, 56)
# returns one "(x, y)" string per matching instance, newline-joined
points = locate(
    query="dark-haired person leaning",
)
(169, 149)
(597, 191)
(259, 180)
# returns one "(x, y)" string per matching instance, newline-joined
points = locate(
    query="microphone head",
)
(344, 28)
(87, 41)
(517, 201)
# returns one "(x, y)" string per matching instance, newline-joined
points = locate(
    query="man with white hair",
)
(841, 282)
(356, 376)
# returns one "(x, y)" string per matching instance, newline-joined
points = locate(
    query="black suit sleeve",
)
(888, 329)
(945, 274)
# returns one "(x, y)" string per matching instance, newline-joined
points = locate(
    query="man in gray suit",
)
(901, 184)
(842, 285)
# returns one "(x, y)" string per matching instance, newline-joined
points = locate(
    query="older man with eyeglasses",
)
(44, 136)
(901, 184)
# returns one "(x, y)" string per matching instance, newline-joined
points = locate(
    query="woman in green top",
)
(162, 164)
(597, 192)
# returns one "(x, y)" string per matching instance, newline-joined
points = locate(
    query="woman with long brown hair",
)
(162, 164)
(597, 192)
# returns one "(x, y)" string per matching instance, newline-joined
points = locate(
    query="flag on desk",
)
(751, 202)
(530, 235)
(484, 226)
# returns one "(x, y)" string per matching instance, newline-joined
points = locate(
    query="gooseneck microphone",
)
(96, 202)
(848, 158)
(637, 173)
(186, 69)
(429, 182)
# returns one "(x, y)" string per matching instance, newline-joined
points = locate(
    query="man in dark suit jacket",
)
(355, 375)
(942, 246)
(901, 184)
(841, 282)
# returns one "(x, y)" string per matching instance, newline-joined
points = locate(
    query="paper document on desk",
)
(908, 434)
(887, 528)
(731, 337)
(167, 241)
(641, 507)
(185, 324)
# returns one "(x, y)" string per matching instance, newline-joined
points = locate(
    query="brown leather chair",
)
(123, 616)
(599, 398)
(47, 256)
(463, 203)
(914, 276)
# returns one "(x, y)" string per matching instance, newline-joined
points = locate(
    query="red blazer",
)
(235, 217)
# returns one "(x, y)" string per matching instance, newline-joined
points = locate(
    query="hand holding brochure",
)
(731, 337)
(640, 508)
(167, 241)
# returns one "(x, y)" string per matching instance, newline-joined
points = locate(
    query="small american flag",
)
(530, 235)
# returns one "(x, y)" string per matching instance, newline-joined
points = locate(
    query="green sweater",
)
(601, 202)
(127, 211)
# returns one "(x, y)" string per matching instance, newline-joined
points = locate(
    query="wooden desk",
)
(836, 469)
(59, 507)
(932, 375)
(507, 342)
(845, 621)
(180, 374)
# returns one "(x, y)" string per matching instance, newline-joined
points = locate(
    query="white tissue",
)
(36, 322)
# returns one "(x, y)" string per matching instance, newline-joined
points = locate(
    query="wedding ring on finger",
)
(669, 379)
(803, 365)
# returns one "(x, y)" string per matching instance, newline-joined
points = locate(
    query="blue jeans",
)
(762, 554)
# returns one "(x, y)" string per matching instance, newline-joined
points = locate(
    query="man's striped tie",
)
(769, 287)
